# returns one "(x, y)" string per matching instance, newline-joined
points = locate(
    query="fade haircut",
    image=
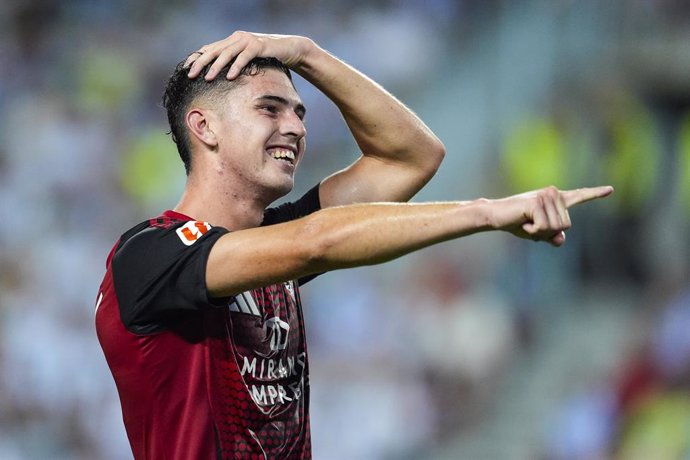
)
(181, 91)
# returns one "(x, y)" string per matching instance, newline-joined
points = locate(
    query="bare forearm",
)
(381, 124)
(369, 234)
(378, 232)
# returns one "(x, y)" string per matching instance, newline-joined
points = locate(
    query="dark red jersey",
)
(201, 377)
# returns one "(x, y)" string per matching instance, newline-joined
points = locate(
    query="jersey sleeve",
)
(307, 204)
(160, 273)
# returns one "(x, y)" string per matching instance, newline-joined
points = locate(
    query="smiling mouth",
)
(283, 154)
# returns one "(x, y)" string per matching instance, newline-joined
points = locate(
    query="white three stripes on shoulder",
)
(244, 303)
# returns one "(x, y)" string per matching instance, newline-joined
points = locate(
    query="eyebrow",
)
(300, 109)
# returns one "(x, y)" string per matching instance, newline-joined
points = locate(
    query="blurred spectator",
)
(462, 338)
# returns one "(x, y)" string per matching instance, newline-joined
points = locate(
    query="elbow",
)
(438, 154)
(433, 159)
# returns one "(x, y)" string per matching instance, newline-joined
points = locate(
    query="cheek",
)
(240, 125)
(260, 131)
(302, 146)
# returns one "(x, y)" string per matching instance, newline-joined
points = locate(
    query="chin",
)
(280, 190)
(287, 189)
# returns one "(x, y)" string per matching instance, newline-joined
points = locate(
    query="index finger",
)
(582, 195)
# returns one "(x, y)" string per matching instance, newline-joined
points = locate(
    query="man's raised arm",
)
(366, 234)
(399, 152)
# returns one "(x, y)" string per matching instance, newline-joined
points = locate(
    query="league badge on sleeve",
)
(190, 232)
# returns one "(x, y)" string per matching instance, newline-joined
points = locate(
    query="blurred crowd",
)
(582, 351)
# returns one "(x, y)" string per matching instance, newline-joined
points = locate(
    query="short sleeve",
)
(160, 272)
(307, 204)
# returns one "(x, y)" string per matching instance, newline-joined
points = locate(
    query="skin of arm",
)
(400, 153)
(366, 234)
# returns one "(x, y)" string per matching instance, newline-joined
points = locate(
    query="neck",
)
(220, 205)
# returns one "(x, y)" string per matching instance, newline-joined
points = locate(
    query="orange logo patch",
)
(192, 231)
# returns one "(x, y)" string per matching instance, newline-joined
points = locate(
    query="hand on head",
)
(241, 47)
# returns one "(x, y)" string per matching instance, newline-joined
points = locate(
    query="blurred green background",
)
(484, 348)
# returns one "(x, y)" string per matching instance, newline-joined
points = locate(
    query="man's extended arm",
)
(365, 234)
(399, 152)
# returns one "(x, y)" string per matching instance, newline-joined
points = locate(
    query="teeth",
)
(283, 154)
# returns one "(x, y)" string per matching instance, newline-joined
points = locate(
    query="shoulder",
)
(308, 203)
(158, 270)
(165, 232)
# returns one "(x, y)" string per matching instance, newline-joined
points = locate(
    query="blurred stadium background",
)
(486, 348)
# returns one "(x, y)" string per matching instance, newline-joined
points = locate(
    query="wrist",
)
(306, 47)
(485, 216)
(312, 62)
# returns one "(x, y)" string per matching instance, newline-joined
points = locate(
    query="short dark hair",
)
(181, 90)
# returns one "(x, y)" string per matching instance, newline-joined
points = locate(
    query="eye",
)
(272, 109)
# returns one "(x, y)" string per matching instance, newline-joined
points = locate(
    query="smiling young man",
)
(199, 312)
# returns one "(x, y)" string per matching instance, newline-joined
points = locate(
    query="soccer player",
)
(199, 312)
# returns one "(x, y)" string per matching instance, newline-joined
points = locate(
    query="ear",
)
(199, 126)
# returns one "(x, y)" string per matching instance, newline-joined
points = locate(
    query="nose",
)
(293, 126)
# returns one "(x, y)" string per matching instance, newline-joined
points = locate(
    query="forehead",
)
(271, 82)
